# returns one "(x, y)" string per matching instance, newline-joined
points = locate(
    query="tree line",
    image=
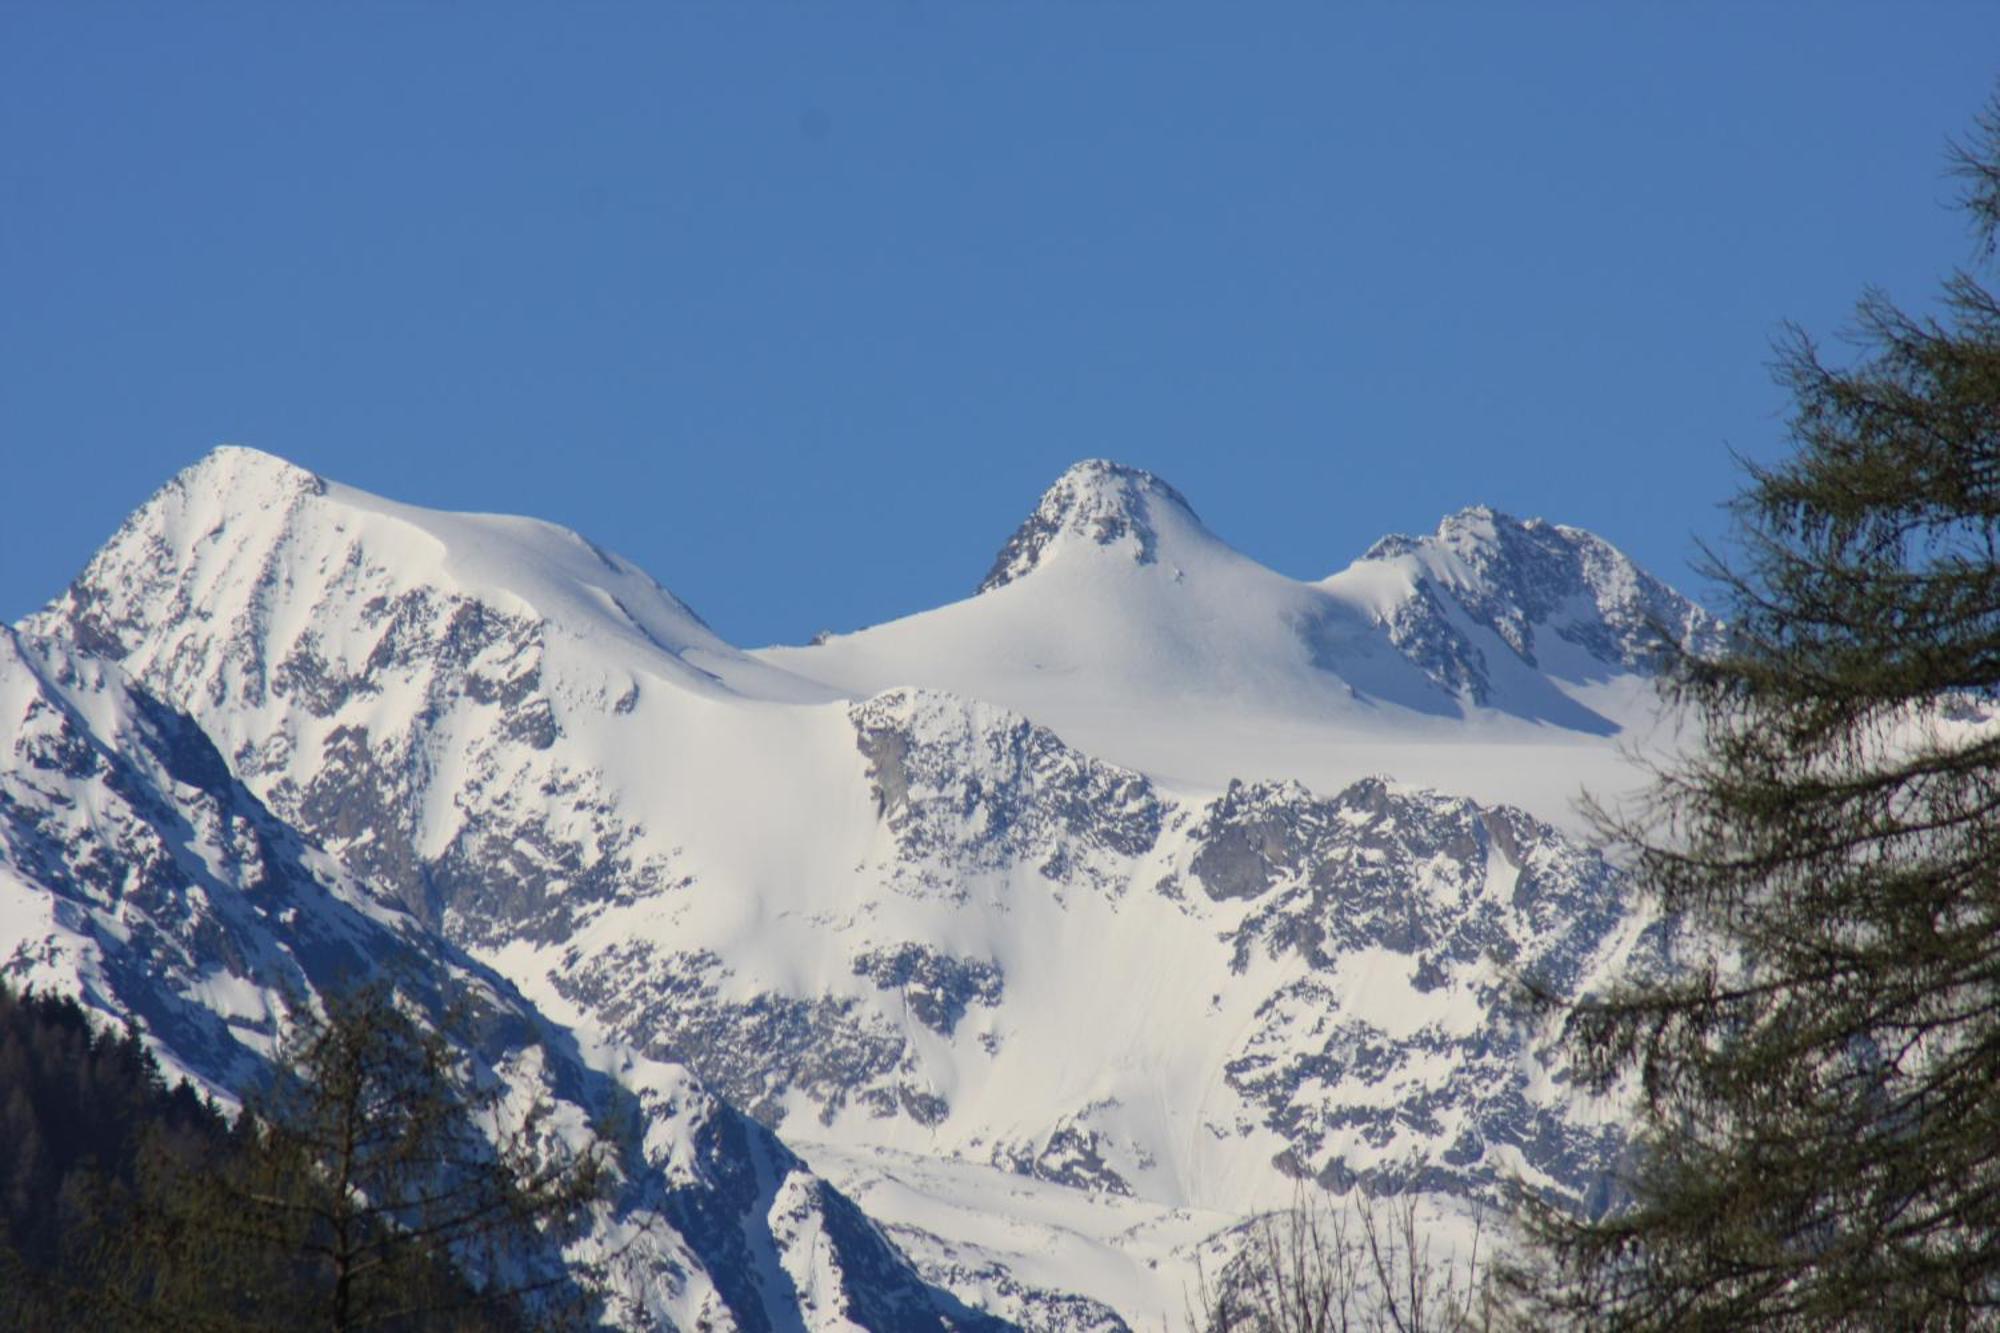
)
(363, 1187)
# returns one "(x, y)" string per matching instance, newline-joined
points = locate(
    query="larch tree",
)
(373, 1185)
(1819, 1142)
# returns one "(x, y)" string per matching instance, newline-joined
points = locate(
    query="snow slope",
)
(138, 876)
(1115, 617)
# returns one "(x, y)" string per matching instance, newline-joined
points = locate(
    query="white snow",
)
(1162, 651)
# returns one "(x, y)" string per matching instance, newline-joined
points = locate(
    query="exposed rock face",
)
(1084, 1150)
(937, 987)
(968, 788)
(1534, 585)
(1435, 903)
(757, 1051)
(1417, 916)
(1098, 501)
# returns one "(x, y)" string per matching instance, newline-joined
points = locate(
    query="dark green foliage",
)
(82, 1111)
(1822, 1101)
(367, 1163)
(358, 1191)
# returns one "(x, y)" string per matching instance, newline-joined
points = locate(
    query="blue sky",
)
(801, 304)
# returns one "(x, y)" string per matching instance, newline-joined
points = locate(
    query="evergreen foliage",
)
(81, 1111)
(1821, 1141)
(361, 1189)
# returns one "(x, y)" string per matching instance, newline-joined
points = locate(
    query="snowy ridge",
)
(129, 858)
(1113, 607)
(171, 586)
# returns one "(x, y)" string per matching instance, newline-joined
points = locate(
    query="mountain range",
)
(986, 967)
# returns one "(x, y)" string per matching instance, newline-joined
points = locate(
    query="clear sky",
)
(801, 303)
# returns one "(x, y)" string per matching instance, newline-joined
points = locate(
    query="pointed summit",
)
(1097, 501)
(228, 461)
(1538, 586)
(264, 580)
(1477, 534)
(244, 477)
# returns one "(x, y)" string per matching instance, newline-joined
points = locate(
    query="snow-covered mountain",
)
(1117, 897)
(138, 875)
(1457, 660)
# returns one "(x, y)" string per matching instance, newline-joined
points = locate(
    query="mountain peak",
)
(237, 470)
(1474, 528)
(1533, 582)
(1099, 501)
(271, 576)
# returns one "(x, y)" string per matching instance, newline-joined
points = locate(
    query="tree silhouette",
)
(373, 1184)
(1821, 1131)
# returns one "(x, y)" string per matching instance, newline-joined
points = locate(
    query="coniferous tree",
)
(81, 1111)
(380, 1185)
(1821, 1102)
(372, 1185)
